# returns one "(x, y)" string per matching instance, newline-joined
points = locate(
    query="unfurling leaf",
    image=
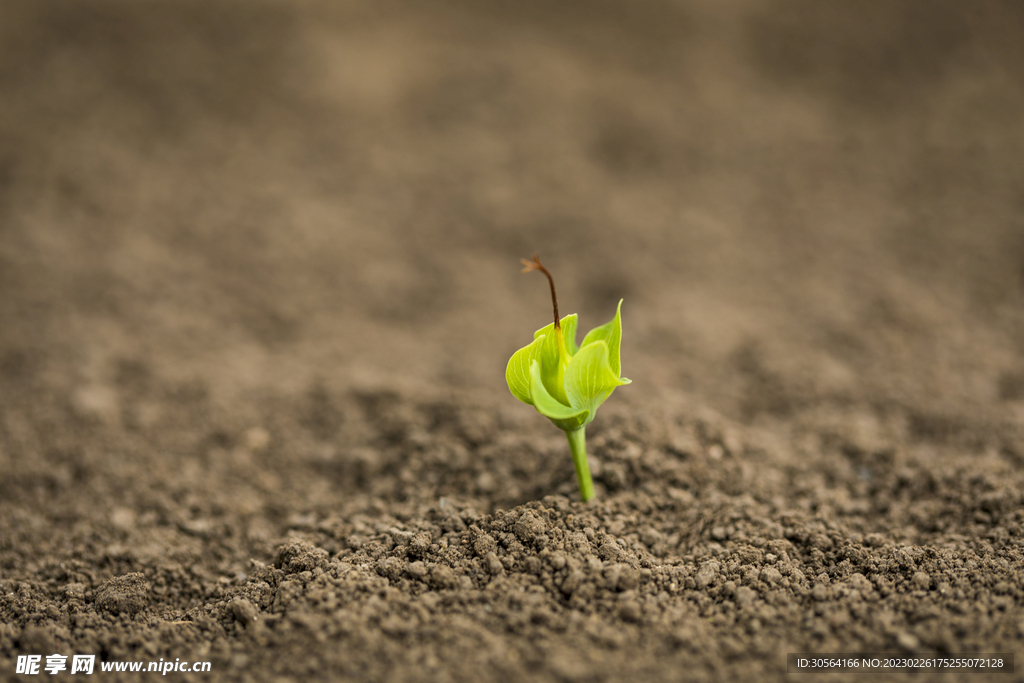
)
(571, 382)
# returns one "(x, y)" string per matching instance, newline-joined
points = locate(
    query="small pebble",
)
(706, 574)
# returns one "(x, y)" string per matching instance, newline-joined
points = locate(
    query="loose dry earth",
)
(258, 284)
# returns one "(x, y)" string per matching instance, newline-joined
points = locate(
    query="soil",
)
(259, 282)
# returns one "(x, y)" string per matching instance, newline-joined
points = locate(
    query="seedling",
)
(564, 382)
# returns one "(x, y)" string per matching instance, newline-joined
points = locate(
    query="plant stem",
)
(535, 264)
(578, 446)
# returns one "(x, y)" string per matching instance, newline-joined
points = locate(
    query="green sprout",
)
(564, 382)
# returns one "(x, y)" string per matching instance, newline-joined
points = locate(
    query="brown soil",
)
(259, 282)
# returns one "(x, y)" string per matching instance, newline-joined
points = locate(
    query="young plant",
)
(564, 382)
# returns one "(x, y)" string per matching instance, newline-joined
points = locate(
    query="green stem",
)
(578, 446)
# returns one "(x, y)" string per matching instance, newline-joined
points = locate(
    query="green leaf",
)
(554, 355)
(569, 324)
(589, 379)
(565, 417)
(517, 372)
(611, 334)
(566, 383)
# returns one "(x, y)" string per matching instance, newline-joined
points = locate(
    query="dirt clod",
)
(127, 594)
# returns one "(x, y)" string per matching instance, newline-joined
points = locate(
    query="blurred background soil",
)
(259, 282)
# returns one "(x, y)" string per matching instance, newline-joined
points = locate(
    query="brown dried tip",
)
(535, 264)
